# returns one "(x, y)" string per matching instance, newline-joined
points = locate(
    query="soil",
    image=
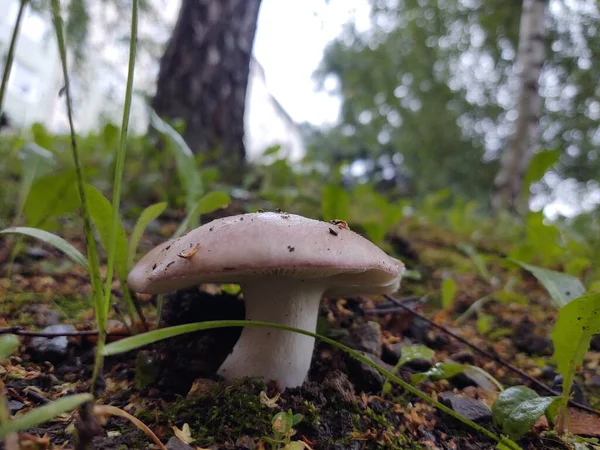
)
(173, 383)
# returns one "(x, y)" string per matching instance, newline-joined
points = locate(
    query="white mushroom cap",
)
(285, 263)
(237, 248)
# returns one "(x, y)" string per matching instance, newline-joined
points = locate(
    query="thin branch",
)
(489, 355)
(18, 331)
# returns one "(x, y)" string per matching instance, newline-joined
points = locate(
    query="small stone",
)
(576, 391)
(548, 373)
(15, 405)
(595, 343)
(392, 354)
(463, 357)
(52, 349)
(245, 442)
(364, 377)
(365, 338)
(177, 444)
(468, 407)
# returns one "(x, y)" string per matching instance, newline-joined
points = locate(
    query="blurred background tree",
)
(429, 93)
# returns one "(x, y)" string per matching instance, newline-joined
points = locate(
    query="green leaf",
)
(412, 352)
(525, 415)
(43, 414)
(8, 345)
(562, 288)
(101, 211)
(448, 292)
(273, 150)
(187, 170)
(147, 216)
(35, 162)
(470, 251)
(52, 239)
(508, 400)
(335, 203)
(576, 323)
(209, 203)
(51, 196)
(538, 166)
(440, 371)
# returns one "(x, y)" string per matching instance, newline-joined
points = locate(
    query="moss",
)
(222, 413)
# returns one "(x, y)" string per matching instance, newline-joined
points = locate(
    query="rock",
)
(576, 391)
(463, 357)
(177, 444)
(548, 373)
(526, 340)
(15, 405)
(365, 338)
(468, 407)
(363, 377)
(595, 343)
(52, 349)
(338, 386)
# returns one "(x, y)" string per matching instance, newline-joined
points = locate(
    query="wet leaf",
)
(562, 287)
(44, 413)
(52, 239)
(440, 371)
(412, 352)
(518, 408)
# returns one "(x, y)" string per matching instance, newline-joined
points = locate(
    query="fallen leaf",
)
(268, 402)
(185, 434)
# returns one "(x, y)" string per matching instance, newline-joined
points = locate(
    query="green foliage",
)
(518, 408)
(52, 239)
(448, 292)
(562, 287)
(8, 344)
(335, 202)
(577, 322)
(283, 430)
(148, 215)
(207, 204)
(409, 353)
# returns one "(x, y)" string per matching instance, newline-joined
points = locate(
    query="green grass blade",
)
(11, 52)
(8, 345)
(116, 228)
(52, 239)
(92, 252)
(147, 216)
(44, 413)
(140, 340)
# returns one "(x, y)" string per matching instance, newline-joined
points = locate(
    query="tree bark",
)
(530, 59)
(204, 74)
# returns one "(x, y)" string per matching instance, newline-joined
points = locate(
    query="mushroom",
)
(285, 264)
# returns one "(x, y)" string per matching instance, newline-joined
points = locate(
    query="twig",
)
(18, 331)
(489, 355)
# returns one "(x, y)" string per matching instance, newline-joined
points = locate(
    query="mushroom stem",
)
(275, 354)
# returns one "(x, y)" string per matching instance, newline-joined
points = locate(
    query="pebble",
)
(364, 377)
(366, 338)
(468, 407)
(52, 348)
(177, 444)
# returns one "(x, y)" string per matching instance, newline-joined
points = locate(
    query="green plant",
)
(142, 339)
(283, 430)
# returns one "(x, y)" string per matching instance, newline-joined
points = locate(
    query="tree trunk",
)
(204, 73)
(530, 59)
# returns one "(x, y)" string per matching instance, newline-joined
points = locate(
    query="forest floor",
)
(173, 383)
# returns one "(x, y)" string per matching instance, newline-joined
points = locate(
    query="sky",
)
(290, 39)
